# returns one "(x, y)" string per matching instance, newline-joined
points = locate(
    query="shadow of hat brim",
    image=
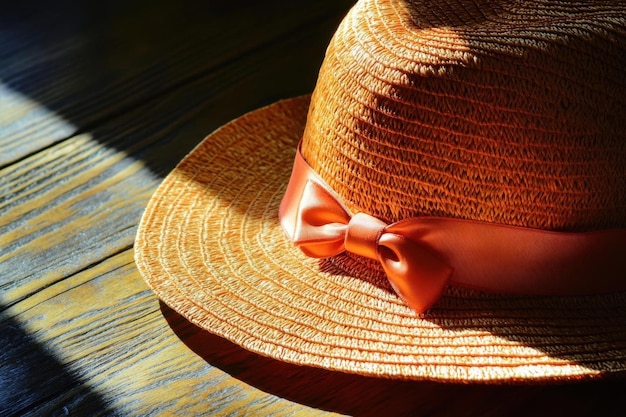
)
(353, 394)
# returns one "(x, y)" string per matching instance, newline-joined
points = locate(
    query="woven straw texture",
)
(510, 114)
(507, 112)
(210, 246)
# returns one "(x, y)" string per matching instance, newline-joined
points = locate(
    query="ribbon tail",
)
(417, 274)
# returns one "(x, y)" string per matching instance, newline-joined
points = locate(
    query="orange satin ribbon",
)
(422, 255)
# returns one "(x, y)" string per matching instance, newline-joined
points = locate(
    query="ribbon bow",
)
(416, 253)
(321, 226)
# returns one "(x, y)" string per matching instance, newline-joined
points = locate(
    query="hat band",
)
(422, 255)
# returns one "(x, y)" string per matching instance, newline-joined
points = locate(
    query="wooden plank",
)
(67, 70)
(122, 353)
(79, 201)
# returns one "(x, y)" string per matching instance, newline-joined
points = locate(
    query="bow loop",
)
(416, 273)
(314, 218)
(321, 224)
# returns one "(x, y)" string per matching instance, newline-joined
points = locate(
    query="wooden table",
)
(98, 101)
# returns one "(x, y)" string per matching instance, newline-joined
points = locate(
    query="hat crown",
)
(506, 112)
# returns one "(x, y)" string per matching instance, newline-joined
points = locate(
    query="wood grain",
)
(89, 62)
(105, 177)
(120, 347)
(84, 334)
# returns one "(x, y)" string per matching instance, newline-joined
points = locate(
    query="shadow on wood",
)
(365, 396)
(34, 382)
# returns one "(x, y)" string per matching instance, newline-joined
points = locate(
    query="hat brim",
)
(211, 247)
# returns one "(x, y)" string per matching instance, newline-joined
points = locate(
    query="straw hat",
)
(481, 144)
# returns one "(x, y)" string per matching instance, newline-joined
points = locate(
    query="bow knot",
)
(363, 234)
(321, 226)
